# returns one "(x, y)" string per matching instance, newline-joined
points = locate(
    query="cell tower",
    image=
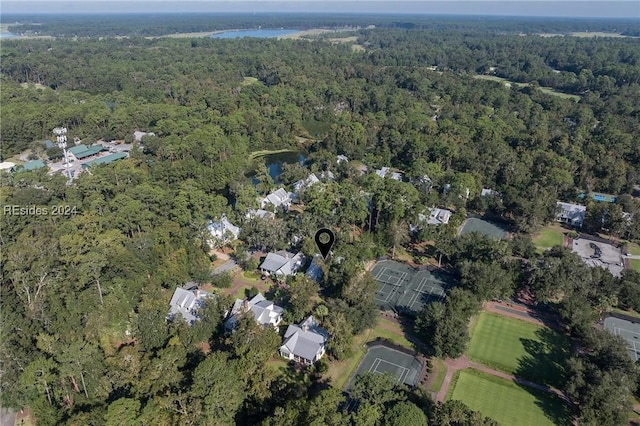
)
(61, 138)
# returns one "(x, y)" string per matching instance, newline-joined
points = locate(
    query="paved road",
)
(7, 417)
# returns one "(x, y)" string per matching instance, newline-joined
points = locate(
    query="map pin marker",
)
(324, 240)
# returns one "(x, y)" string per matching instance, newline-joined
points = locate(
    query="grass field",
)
(439, 371)
(548, 237)
(340, 371)
(547, 90)
(520, 348)
(258, 154)
(506, 402)
(633, 249)
(634, 264)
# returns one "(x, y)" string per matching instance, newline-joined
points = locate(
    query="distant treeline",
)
(161, 24)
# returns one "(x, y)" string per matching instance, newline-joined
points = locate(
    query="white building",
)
(279, 198)
(488, 192)
(138, 135)
(386, 172)
(186, 303)
(572, 214)
(223, 230)
(304, 184)
(305, 343)
(266, 313)
(262, 214)
(282, 263)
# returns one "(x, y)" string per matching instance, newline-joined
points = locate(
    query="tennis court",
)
(629, 331)
(381, 359)
(403, 288)
(483, 227)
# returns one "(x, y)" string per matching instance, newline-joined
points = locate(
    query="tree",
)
(398, 235)
(405, 414)
(301, 293)
(340, 335)
(123, 411)
(376, 389)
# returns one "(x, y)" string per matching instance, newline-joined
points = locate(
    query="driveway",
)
(227, 266)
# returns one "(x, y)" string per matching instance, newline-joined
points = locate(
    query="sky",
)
(566, 8)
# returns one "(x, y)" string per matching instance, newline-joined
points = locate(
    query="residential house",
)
(282, 263)
(186, 303)
(304, 343)
(572, 214)
(362, 168)
(223, 230)
(436, 217)
(7, 166)
(279, 198)
(386, 172)
(137, 135)
(266, 313)
(327, 175)
(304, 184)
(81, 152)
(488, 192)
(341, 158)
(262, 214)
(314, 271)
(423, 183)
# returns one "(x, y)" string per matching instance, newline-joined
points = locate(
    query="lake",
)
(8, 35)
(254, 33)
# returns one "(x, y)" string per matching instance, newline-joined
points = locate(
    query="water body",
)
(276, 162)
(8, 35)
(254, 33)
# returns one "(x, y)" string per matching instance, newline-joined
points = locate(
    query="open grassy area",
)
(634, 264)
(633, 249)
(507, 402)
(246, 81)
(548, 237)
(520, 348)
(262, 153)
(340, 371)
(439, 370)
(547, 90)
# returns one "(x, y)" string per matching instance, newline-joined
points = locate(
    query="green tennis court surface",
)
(381, 359)
(628, 330)
(405, 289)
(506, 402)
(480, 226)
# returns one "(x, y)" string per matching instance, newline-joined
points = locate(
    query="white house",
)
(386, 172)
(439, 216)
(572, 214)
(266, 313)
(341, 158)
(186, 303)
(223, 230)
(137, 135)
(262, 214)
(305, 343)
(282, 263)
(279, 198)
(488, 192)
(304, 184)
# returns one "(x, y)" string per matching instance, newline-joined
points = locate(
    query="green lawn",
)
(634, 264)
(507, 402)
(633, 249)
(548, 237)
(520, 348)
(439, 371)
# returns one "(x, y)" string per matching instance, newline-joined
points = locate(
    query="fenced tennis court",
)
(629, 331)
(483, 227)
(402, 288)
(382, 359)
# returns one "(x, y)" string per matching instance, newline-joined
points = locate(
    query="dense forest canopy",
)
(85, 297)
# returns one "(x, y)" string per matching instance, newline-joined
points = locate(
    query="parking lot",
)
(599, 254)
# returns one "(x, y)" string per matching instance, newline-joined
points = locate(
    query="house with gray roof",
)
(266, 313)
(304, 184)
(572, 214)
(282, 263)
(279, 198)
(488, 192)
(187, 303)
(386, 172)
(138, 135)
(262, 214)
(304, 343)
(223, 230)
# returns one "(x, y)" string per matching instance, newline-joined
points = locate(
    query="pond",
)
(275, 163)
(254, 33)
